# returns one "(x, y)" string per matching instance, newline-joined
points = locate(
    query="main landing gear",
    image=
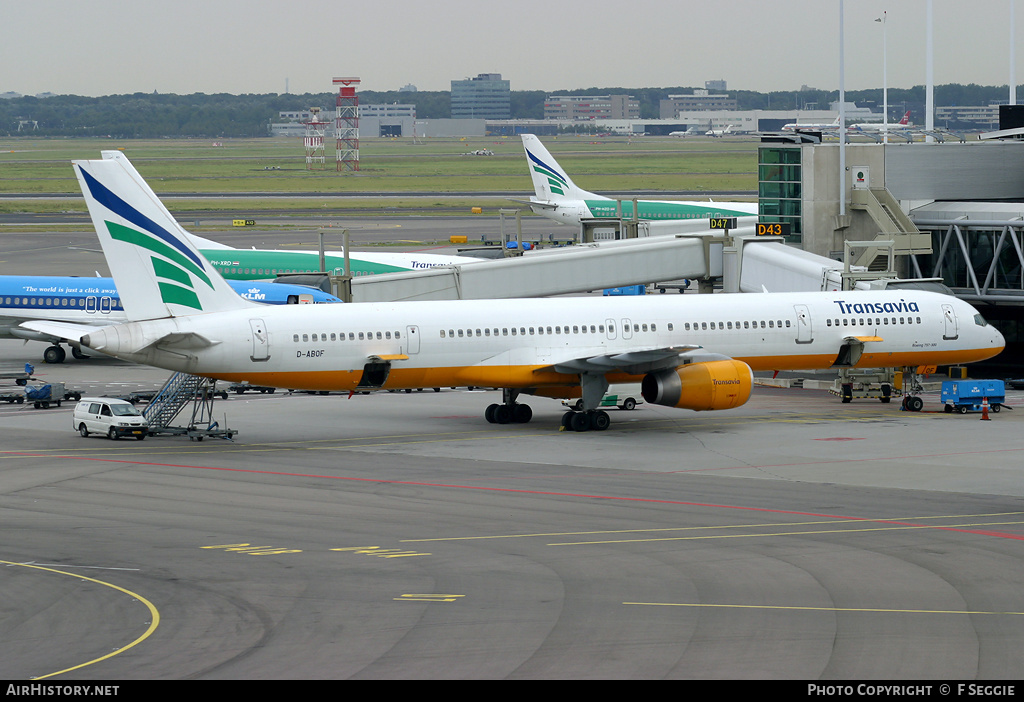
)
(510, 411)
(56, 353)
(598, 420)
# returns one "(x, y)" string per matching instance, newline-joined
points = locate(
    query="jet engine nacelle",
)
(711, 385)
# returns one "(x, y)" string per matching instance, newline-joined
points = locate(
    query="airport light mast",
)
(314, 141)
(346, 124)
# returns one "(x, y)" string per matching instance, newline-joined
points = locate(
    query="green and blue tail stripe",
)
(555, 179)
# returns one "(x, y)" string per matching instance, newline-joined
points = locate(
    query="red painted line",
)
(546, 493)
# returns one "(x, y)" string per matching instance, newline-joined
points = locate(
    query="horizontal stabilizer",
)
(68, 331)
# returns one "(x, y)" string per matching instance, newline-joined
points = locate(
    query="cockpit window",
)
(980, 321)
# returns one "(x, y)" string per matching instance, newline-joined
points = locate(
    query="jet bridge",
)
(558, 271)
(744, 263)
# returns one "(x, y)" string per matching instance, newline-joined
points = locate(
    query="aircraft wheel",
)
(77, 353)
(567, 419)
(502, 414)
(54, 354)
(112, 434)
(915, 404)
(489, 413)
(600, 421)
(521, 414)
(82, 430)
(580, 422)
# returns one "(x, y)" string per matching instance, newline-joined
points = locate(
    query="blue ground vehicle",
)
(965, 396)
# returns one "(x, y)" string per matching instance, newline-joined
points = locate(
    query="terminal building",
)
(951, 211)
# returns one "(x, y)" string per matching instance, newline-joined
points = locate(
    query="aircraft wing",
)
(641, 360)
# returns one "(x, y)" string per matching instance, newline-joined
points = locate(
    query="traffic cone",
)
(984, 410)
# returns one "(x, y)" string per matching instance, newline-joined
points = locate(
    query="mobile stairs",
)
(182, 389)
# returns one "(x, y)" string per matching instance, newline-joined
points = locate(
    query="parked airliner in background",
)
(882, 126)
(95, 301)
(557, 197)
(819, 127)
(261, 264)
(695, 352)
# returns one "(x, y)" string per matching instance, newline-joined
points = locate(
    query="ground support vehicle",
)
(965, 396)
(42, 396)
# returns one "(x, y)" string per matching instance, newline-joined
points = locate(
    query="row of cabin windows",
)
(557, 330)
(225, 270)
(115, 303)
(879, 321)
(765, 324)
(352, 336)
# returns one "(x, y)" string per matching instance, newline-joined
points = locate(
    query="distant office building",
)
(578, 108)
(485, 97)
(700, 101)
(715, 85)
(394, 110)
(986, 116)
(305, 115)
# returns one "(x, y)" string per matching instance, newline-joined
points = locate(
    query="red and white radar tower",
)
(346, 124)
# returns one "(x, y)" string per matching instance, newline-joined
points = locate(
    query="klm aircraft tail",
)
(550, 182)
(158, 271)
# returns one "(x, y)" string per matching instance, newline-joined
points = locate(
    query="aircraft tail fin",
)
(906, 119)
(550, 182)
(157, 269)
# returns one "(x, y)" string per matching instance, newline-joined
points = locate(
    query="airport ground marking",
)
(486, 488)
(428, 598)
(153, 624)
(864, 610)
(250, 550)
(845, 520)
(895, 527)
(380, 552)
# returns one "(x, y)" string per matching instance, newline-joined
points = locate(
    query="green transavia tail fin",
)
(550, 182)
(158, 271)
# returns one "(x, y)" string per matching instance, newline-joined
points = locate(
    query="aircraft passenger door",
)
(412, 336)
(803, 324)
(260, 341)
(627, 329)
(609, 325)
(949, 323)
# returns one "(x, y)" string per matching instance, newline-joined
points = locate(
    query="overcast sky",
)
(103, 47)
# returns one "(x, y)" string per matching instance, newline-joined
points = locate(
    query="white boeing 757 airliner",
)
(689, 351)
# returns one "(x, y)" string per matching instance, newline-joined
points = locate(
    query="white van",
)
(105, 415)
